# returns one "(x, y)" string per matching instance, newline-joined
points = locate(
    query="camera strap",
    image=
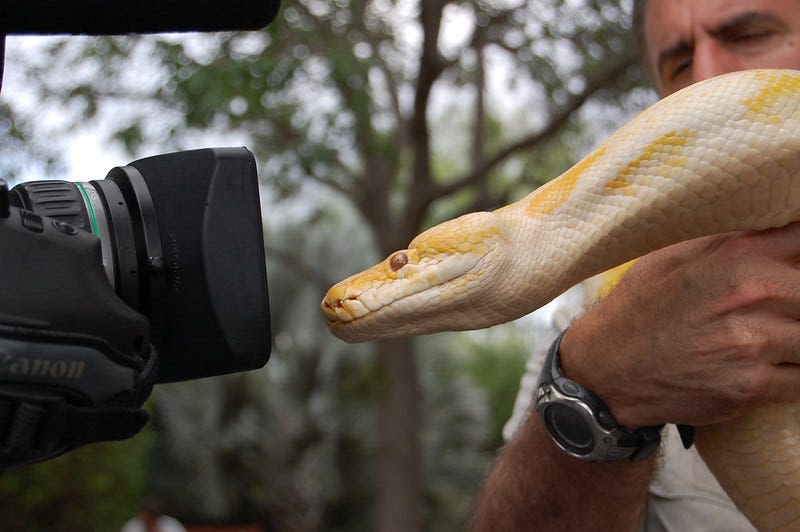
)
(56, 395)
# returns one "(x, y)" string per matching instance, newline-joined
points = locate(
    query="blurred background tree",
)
(371, 120)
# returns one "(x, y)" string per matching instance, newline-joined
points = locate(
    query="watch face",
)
(569, 428)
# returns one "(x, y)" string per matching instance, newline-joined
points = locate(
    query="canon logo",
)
(40, 367)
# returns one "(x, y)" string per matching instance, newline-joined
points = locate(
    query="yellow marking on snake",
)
(445, 244)
(550, 196)
(609, 279)
(666, 149)
(673, 164)
(777, 87)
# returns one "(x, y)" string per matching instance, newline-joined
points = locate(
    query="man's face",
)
(691, 40)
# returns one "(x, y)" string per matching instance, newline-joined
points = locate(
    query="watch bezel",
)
(605, 443)
(611, 441)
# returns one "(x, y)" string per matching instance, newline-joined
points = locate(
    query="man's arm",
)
(695, 334)
(536, 486)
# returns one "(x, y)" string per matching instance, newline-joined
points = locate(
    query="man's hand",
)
(696, 332)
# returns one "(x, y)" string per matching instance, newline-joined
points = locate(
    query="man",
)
(693, 334)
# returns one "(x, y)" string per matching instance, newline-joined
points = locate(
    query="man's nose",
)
(711, 59)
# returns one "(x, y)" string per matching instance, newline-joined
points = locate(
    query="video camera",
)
(154, 274)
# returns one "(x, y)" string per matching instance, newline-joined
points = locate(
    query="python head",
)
(441, 282)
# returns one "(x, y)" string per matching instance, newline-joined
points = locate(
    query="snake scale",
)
(720, 155)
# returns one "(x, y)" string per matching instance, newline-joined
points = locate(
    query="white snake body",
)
(718, 156)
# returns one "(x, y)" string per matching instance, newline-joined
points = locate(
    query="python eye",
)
(398, 260)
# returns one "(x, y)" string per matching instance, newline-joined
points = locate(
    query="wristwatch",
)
(581, 424)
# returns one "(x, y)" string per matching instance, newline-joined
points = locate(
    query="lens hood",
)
(212, 314)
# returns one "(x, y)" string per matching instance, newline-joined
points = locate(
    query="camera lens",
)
(119, 211)
(181, 243)
(68, 203)
(98, 225)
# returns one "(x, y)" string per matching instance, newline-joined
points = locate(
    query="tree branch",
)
(480, 171)
(335, 185)
(430, 68)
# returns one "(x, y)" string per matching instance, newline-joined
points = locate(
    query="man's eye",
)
(749, 35)
(679, 68)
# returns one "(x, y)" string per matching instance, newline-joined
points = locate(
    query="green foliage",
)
(497, 368)
(455, 434)
(93, 488)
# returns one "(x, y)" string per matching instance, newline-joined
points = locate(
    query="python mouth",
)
(351, 312)
(329, 309)
(344, 312)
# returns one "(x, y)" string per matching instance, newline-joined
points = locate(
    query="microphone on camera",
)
(116, 17)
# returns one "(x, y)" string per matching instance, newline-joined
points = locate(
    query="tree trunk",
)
(399, 490)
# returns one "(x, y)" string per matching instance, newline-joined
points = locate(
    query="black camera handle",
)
(41, 420)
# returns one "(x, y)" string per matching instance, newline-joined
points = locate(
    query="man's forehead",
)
(670, 20)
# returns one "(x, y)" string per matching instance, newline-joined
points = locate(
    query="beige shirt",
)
(684, 495)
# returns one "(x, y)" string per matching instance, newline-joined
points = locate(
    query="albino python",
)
(718, 156)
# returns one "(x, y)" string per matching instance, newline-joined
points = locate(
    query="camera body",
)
(154, 274)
